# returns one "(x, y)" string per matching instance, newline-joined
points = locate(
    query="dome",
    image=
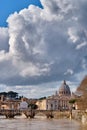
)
(64, 90)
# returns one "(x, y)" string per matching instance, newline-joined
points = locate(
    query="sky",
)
(42, 43)
(8, 7)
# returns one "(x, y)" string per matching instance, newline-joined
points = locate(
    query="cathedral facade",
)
(60, 100)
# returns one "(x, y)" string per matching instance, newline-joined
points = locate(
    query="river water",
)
(40, 124)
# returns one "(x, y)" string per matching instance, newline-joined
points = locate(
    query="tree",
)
(42, 98)
(3, 93)
(72, 101)
(32, 106)
(12, 94)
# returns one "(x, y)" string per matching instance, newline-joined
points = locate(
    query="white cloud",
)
(72, 34)
(33, 70)
(37, 46)
(81, 45)
(41, 90)
(69, 71)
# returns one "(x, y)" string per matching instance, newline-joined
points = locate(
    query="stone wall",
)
(61, 114)
(80, 115)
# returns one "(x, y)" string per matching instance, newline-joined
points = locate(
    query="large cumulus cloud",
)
(44, 45)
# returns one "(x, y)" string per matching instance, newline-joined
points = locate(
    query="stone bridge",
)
(32, 113)
(10, 113)
(77, 114)
(28, 113)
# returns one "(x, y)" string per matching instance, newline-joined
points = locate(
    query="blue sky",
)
(39, 48)
(8, 7)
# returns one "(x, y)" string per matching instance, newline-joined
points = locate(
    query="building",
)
(23, 104)
(9, 100)
(41, 104)
(60, 100)
(10, 104)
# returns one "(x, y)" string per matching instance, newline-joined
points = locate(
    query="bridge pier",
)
(49, 115)
(29, 114)
(9, 116)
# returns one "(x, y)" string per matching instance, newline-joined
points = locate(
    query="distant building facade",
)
(58, 101)
(23, 104)
(9, 100)
(41, 104)
(10, 104)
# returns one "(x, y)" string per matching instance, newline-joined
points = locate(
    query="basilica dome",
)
(64, 90)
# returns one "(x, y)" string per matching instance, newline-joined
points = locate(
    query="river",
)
(40, 124)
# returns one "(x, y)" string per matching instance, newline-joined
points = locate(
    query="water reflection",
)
(40, 124)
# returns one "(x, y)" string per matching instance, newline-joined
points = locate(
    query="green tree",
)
(32, 106)
(12, 94)
(72, 101)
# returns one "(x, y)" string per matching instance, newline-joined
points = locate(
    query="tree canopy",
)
(72, 101)
(10, 94)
